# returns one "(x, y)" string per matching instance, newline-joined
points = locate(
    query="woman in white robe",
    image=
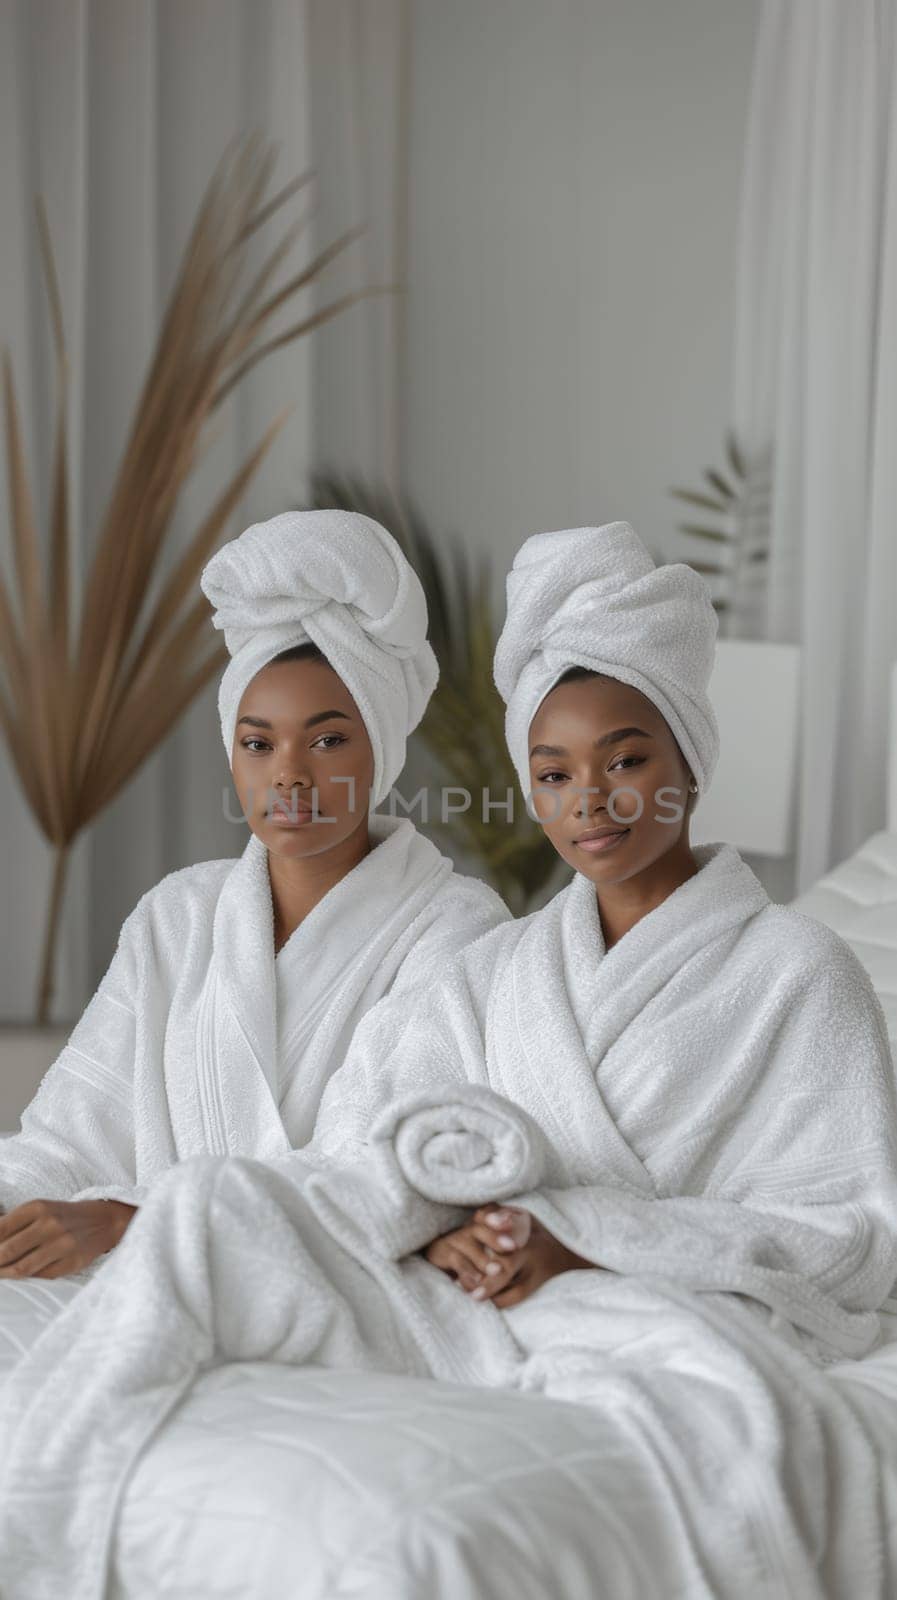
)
(237, 984)
(713, 1229)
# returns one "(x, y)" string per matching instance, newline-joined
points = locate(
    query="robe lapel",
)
(536, 1049)
(718, 898)
(246, 1025)
(346, 937)
(239, 1044)
(572, 1000)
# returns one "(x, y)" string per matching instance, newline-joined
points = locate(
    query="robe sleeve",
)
(399, 1047)
(800, 1210)
(77, 1135)
(460, 913)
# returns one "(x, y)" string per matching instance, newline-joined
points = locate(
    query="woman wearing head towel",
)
(237, 984)
(703, 1040)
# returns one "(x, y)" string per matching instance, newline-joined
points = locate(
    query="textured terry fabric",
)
(717, 1103)
(192, 1276)
(592, 597)
(340, 581)
(200, 1041)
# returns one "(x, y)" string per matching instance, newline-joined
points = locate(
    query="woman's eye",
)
(330, 740)
(547, 777)
(624, 759)
(248, 743)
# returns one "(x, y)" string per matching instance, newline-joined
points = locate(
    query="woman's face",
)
(592, 772)
(301, 760)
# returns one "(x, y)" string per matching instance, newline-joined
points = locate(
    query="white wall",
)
(568, 248)
(574, 180)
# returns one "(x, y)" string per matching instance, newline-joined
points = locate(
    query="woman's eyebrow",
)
(324, 716)
(311, 722)
(606, 738)
(621, 733)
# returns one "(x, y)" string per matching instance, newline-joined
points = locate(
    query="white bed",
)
(291, 1484)
(309, 1485)
(303, 1484)
(859, 900)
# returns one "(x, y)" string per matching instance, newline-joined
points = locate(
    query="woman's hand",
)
(50, 1238)
(478, 1253)
(541, 1257)
(502, 1255)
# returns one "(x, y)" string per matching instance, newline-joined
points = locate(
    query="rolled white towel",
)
(463, 1145)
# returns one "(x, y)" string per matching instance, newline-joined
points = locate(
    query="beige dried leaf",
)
(84, 701)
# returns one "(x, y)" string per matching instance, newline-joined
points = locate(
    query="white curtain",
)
(117, 111)
(816, 379)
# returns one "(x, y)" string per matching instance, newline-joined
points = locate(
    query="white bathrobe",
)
(199, 1040)
(717, 1102)
(717, 1089)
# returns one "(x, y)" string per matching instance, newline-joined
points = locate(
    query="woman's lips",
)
(607, 841)
(291, 819)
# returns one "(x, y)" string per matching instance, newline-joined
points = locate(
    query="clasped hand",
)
(503, 1254)
(50, 1238)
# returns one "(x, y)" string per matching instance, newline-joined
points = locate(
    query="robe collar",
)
(573, 1010)
(246, 978)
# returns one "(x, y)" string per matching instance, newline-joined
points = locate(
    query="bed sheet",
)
(384, 1488)
(396, 1489)
(279, 1483)
(353, 1484)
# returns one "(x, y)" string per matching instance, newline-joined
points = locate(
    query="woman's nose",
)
(292, 775)
(588, 800)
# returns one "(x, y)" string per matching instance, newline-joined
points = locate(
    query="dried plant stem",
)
(84, 700)
(51, 933)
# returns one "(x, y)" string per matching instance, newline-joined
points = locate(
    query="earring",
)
(692, 788)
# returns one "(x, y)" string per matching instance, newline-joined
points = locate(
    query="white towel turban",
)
(593, 597)
(340, 581)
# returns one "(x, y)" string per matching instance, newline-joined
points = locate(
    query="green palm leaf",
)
(742, 496)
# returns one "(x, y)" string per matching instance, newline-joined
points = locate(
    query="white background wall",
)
(564, 228)
(566, 242)
(566, 352)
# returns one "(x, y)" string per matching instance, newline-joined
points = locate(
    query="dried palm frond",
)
(739, 498)
(85, 702)
(464, 723)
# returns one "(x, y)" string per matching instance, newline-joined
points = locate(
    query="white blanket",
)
(718, 1100)
(200, 1041)
(288, 1263)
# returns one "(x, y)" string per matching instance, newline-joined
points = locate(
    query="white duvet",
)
(274, 1482)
